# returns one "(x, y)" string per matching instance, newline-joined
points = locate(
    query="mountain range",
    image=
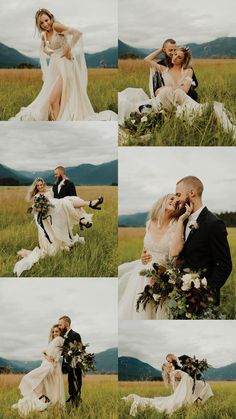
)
(132, 369)
(84, 174)
(11, 58)
(133, 220)
(224, 47)
(106, 363)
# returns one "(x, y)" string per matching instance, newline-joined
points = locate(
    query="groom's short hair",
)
(61, 168)
(170, 40)
(66, 318)
(192, 182)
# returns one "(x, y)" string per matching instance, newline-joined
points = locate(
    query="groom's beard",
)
(63, 331)
(58, 180)
(180, 209)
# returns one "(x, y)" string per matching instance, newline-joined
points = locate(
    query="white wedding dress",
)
(131, 283)
(75, 104)
(56, 233)
(169, 96)
(183, 395)
(45, 380)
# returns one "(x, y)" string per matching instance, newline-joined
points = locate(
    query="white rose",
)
(186, 286)
(144, 119)
(187, 277)
(204, 281)
(133, 121)
(69, 352)
(197, 283)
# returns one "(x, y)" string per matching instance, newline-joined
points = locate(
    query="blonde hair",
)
(33, 189)
(187, 56)
(192, 182)
(158, 210)
(50, 337)
(38, 14)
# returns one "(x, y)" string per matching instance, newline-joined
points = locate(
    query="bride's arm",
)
(150, 60)
(177, 242)
(187, 80)
(75, 36)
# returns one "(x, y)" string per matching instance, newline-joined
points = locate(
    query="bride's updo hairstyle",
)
(33, 189)
(158, 210)
(40, 13)
(187, 56)
(50, 337)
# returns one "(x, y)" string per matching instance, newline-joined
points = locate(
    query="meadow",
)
(130, 246)
(216, 79)
(221, 406)
(96, 258)
(19, 87)
(99, 397)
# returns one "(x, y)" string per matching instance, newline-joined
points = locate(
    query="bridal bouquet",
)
(42, 205)
(185, 293)
(141, 122)
(76, 356)
(195, 368)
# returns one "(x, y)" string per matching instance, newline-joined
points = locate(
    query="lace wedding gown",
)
(45, 380)
(75, 104)
(55, 232)
(131, 283)
(183, 395)
(169, 96)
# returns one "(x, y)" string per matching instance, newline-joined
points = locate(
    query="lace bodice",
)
(54, 348)
(171, 82)
(57, 41)
(159, 250)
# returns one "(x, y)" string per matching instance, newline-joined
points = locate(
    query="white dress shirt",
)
(60, 184)
(192, 218)
(66, 334)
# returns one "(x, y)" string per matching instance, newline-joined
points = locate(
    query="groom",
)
(74, 375)
(63, 187)
(205, 237)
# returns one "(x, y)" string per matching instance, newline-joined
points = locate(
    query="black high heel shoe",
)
(99, 202)
(86, 224)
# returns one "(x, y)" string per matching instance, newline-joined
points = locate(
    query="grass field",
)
(19, 87)
(221, 406)
(98, 257)
(99, 396)
(216, 83)
(130, 245)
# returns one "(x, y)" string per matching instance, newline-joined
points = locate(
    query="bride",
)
(55, 229)
(44, 386)
(63, 96)
(173, 94)
(182, 385)
(163, 240)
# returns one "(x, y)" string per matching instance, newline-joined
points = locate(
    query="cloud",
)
(148, 24)
(155, 170)
(42, 145)
(151, 341)
(97, 21)
(30, 307)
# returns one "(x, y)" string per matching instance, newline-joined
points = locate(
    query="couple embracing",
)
(55, 212)
(188, 387)
(172, 85)
(43, 387)
(181, 229)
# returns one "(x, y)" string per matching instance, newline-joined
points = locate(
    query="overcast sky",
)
(148, 23)
(147, 173)
(29, 307)
(43, 145)
(96, 19)
(151, 341)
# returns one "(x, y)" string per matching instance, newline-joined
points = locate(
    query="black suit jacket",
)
(207, 247)
(158, 82)
(72, 336)
(67, 189)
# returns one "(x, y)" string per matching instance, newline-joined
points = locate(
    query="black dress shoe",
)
(71, 398)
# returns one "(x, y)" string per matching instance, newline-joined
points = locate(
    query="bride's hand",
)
(187, 213)
(67, 53)
(145, 257)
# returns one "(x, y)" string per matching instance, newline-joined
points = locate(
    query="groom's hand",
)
(145, 257)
